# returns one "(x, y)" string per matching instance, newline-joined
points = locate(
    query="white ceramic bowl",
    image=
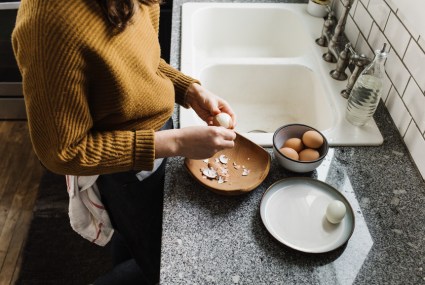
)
(316, 9)
(296, 131)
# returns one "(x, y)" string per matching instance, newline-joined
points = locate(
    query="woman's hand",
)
(206, 104)
(197, 142)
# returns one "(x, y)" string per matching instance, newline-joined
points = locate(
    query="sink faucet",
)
(343, 60)
(334, 38)
(327, 28)
(346, 57)
(340, 50)
(360, 61)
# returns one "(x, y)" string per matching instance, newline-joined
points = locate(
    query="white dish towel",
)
(87, 214)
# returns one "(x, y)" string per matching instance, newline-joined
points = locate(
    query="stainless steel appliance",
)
(12, 104)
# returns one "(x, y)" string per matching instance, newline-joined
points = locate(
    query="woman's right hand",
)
(198, 142)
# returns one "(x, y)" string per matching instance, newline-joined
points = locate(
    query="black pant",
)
(135, 209)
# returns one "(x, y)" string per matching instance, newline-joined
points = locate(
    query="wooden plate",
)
(247, 155)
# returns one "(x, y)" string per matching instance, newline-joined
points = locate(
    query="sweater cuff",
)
(144, 150)
(181, 84)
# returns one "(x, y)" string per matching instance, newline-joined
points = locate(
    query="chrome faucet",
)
(360, 61)
(327, 28)
(334, 38)
(341, 65)
(340, 50)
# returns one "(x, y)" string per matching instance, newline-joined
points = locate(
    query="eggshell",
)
(312, 139)
(309, 154)
(289, 152)
(294, 143)
(224, 120)
(335, 212)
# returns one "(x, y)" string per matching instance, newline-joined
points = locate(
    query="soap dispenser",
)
(367, 90)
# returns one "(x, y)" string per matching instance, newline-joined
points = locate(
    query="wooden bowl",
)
(246, 155)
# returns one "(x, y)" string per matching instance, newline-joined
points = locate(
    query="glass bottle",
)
(366, 93)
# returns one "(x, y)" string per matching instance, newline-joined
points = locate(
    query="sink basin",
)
(262, 59)
(261, 101)
(214, 37)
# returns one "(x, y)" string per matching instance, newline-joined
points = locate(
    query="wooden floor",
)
(20, 174)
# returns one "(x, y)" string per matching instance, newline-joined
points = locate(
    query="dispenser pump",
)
(366, 93)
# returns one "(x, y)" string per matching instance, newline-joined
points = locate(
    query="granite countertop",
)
(212, 239)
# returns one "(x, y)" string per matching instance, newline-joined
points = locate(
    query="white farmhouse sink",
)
(262, 59)
(224, 31)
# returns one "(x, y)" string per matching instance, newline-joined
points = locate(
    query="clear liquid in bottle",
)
(366, 93)
(363, 100)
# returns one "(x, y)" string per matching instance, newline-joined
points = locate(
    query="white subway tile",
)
(416, 145)
(392, 5)
(411, 13)
(397, 34)
(397, 72)
(363, 20)
(398, 111)
(354, 7)
(379, 11)
(377, 39)
(409, 25)
(351, 31)
(415, 62)
(386, 86)
(365, 2)
(415, 102)
(421, 42)
(362, 47)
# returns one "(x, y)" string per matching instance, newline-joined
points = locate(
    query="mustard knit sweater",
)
(94, 97)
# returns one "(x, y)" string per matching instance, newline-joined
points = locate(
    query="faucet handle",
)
(329, 9)
(327, 28)
(343, 60)
(350, 47)
(360, 62)
(358, 59)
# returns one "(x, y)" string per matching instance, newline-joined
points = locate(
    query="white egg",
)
(224, 120)
(335, 212)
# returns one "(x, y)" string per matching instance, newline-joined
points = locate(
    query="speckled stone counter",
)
(212, 239)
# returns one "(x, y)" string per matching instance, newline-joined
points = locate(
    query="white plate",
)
(293, 211)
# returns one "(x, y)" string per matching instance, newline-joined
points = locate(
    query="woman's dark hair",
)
(120, 12)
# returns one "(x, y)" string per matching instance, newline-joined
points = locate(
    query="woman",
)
(99, 101)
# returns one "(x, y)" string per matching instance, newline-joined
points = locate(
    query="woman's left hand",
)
(206, 104)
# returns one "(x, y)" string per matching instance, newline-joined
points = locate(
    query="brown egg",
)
(289, 152)
(312, 139)
(309, 154)
(294, 143)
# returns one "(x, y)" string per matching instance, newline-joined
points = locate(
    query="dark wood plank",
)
(20, 174)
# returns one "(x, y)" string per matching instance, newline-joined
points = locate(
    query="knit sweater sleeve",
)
(181, 82)
(57, 100)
